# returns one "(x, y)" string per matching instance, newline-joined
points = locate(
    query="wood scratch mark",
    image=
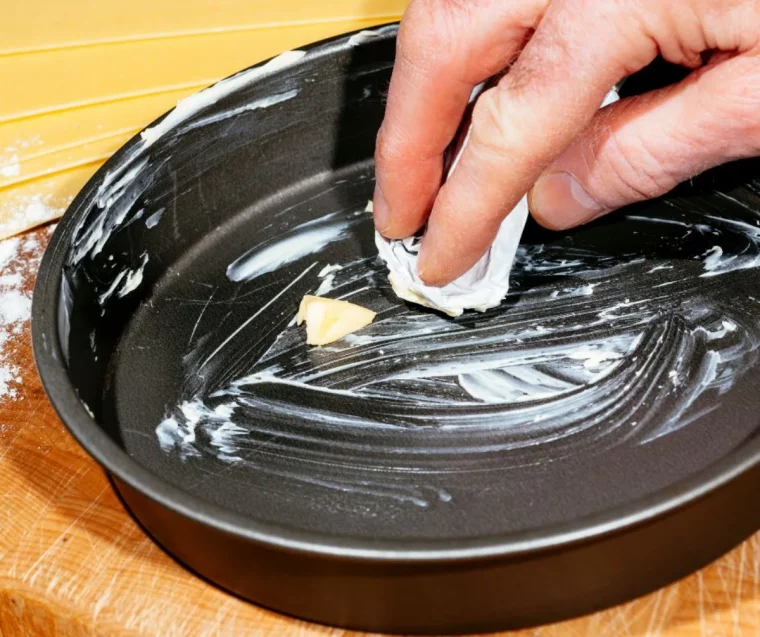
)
(755, 576)
(739, 582)
(44, 554)
(701, 602)
(721, 575)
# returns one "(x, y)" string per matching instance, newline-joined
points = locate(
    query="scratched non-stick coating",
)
(623, 360)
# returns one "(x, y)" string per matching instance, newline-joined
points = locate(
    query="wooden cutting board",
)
(73, 562)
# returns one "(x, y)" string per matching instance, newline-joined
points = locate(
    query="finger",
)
(445, 48)
(643, 147)
(549, 96)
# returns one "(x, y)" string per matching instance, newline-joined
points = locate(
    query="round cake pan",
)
(592, 439)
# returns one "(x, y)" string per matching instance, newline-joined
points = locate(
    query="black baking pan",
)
(590, 440)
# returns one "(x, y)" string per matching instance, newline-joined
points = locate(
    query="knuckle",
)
(416, 53)
(490, 129)
(638, 171)
(457, 6)
(426, 34)
(727, 91)
(395, 150)
(430, 36)
(739, 103)
(499, 131)
(387, 150)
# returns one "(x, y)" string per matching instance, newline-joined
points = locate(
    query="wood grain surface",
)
(73, 562)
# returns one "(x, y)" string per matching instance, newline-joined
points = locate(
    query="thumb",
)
(642, 147)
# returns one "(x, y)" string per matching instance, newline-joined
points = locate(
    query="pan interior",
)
(623, 360)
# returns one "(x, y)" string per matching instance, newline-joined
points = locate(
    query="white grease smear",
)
(134, 278)
(595, 357)
(152, 221)
(370, 35)
(264, 102)
(706, 376)
(712, 260)
(727, 326)
(543, 381)
(131, 278)
(513, 384)
(111, 288)
(329, 269)
(173, 435)
(299, 242)
(327, 274)
(114, 196)
(193, 104)
(255, 315)
(716, 262)
(94, 238)
(517, 366)
(701, 227)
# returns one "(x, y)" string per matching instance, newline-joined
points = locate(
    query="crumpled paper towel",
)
(483, 286)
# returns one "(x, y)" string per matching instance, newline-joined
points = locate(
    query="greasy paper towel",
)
(483, 286)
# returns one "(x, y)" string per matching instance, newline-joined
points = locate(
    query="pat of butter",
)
(327, 320)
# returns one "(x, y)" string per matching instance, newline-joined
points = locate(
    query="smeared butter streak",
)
(565, 366)
(302, 240)
(193, 104)
(131, 281)
(369, 35)
(134, 278)
(264, 102)
(123, 187)
(152, 220)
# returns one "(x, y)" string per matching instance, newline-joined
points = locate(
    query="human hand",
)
(539, 128)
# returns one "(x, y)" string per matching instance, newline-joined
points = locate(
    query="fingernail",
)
(422, 255)
(559, 201)
(425, 264)
(380, 211)
(421, 261)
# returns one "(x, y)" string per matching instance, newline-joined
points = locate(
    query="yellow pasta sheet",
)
(86, 75)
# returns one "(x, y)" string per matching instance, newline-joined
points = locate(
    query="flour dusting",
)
(24, 212)
(10, 168)
(19, 260)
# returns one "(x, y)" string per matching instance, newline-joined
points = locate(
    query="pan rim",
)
(65, 401)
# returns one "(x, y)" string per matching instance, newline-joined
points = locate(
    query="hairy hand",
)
(539, 128)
